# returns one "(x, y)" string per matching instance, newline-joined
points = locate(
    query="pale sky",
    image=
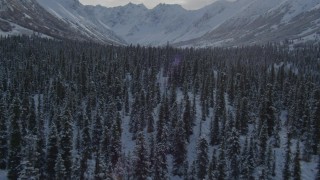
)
(188, 4)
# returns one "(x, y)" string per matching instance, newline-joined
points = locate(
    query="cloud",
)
(188, 4)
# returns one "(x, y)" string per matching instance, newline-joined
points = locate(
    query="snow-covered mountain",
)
(223, 23)
(266, 21)
(165, 23)
(30, 17)
(74, 13)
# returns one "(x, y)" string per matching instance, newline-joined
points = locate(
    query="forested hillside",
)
(72, 110)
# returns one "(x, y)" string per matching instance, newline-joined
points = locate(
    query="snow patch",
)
(3, 175)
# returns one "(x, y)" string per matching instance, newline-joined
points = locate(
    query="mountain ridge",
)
(222, 23)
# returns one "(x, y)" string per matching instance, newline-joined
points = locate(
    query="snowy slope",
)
(264, 21)
(222, 23)
(28, 16)
(3, 175)
(165, 23)
(15, 30)
(72, 12)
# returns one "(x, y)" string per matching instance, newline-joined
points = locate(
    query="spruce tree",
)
(141, 162)
(134, 117)
(267, 112)
(115, 143)
(52, 152)
(221, 165)
(100, 168)
(15, 141)
(97, 132)
(66, 144)
(212, 166)
(160, 124)
(187, 119)
(244, 117)
(160, 163)
(296, 164)
(40, 154)
(318, 173)
(202, 158)
(75, 169)
(86, 148)
(233, 151)
(248, 162)
(214, 131)
(286, 173)
(179, 149)
(59, 168)
(268, 162)
(28, 171)
(316, 123)
(192, 174)
(263, 138)
(3, 135)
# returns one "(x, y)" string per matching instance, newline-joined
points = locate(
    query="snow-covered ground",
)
(19, 30)
(3, 175)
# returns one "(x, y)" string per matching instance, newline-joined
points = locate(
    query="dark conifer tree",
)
(97, 133)
(202, 158)
(268, 162)
(40, 154)
(59, 168)
(296, 164)
(152, 147)
(3, 135)
(192, 174)
(52, 152)
(221, 166)
(66, 143)
(86, 147)
(318, 173)
(214, 130)
(150, 120)
(75, 170)
(286, 172)
(160, 163)
(160, 124)
(134, 117)
(212, 167)
(316, 123)
(263, 138)
(115, 143)
(100, 168)
(31, 118)
(233, 151)
(187, 118)
(267, 113)
(141, 162)
(248, 162)
(244, 118)
(179, 149)
(273, 171)
(15, 141)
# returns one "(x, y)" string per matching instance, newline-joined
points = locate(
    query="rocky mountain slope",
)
(29, 17)
(266, 21)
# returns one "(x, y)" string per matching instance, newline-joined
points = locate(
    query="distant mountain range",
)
(223, 23)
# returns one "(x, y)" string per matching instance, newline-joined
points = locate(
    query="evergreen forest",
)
(80, 110)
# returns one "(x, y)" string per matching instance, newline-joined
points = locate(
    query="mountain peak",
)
(166, 6)
(133, 5)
